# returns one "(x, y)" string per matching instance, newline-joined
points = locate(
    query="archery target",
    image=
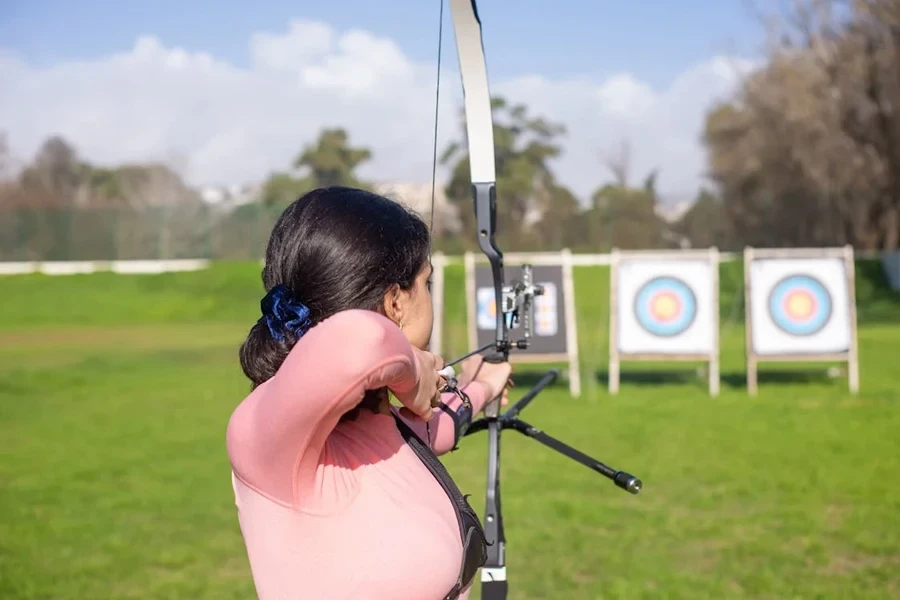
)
(546, 311)
(799, 306)
(486, 308)
(549, 325)
(665, 306)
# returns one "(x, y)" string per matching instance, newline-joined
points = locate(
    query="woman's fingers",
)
(410, 415)
(440, 383)
(436, 399)
(427, 394)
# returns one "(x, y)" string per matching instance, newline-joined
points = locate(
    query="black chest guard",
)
(472, 535)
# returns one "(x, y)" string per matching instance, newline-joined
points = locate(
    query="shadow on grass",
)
(799, 376)
(693, 377)
(698, 377)
(527, 379)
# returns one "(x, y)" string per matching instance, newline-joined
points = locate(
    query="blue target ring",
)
(665, 306)
(800, 305)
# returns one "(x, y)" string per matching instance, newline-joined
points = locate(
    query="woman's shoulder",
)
(350, 342)
(277, 433)
(366, 324)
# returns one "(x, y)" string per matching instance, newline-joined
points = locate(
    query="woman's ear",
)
(394, 304)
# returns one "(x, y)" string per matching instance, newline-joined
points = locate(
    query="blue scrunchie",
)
(283, 312)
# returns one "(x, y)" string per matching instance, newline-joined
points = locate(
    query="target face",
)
(800, 305)
(665, 306)
(549, 333)
(486, 308)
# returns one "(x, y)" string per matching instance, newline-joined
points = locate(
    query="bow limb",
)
(480, 137)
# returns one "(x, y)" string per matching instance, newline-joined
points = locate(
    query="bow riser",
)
(485, 197)
(480, 141)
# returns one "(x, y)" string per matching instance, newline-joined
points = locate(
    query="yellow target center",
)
(800, 305)
(665, 307)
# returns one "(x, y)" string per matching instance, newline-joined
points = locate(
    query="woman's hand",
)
(420, 402)
(494, 376)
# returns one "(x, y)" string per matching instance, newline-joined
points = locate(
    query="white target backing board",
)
(554, 336)
(664, 306)
(800, 306)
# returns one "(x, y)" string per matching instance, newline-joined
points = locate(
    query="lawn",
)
(114, 482)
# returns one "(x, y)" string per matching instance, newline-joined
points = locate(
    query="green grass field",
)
(114, 481)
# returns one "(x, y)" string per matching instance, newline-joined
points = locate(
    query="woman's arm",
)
(275, 437)
(442, 428)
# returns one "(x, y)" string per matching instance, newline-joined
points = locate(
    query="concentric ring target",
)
(665, 306)
(800, 305)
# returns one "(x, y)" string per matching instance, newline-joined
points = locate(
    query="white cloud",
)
(235, 124)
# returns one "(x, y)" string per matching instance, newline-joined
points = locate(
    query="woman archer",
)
(336, 497)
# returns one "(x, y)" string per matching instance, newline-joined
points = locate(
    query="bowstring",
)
(437, 102)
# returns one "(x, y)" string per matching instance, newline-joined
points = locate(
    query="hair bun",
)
(282, 312)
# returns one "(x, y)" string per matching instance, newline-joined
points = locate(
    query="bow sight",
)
(518, 305)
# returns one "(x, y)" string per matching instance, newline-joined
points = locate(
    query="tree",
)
(703, 223)
(146, 185)
(6, 162)
(280, 189)
(10, 191)
(622, 216)
(535, 210)
(619, 163)
(55, 175)
(330, 160)
(808, 151)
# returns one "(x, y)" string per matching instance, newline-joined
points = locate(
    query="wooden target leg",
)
(714, 377)
(853, 375)
(751, 376)
(614, 375)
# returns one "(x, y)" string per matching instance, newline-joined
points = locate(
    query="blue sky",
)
(646, 71)
(654, 39)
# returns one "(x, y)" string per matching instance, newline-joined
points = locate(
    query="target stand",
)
(800, 306)
(664, 306)
(555, 333)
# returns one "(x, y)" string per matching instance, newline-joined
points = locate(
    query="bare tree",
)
(10, 191)
(618, 161)
(809, 150)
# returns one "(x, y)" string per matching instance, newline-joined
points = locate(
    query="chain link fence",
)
(155, 233)
(205, 231)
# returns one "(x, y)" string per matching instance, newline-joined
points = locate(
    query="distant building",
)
(672, 212)
(417, 196)
(228, 197)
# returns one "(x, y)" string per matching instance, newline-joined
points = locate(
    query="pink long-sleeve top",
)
(332, 510)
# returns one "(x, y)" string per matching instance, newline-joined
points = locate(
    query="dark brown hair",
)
(335, 249)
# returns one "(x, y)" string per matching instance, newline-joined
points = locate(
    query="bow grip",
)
(495, 357)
